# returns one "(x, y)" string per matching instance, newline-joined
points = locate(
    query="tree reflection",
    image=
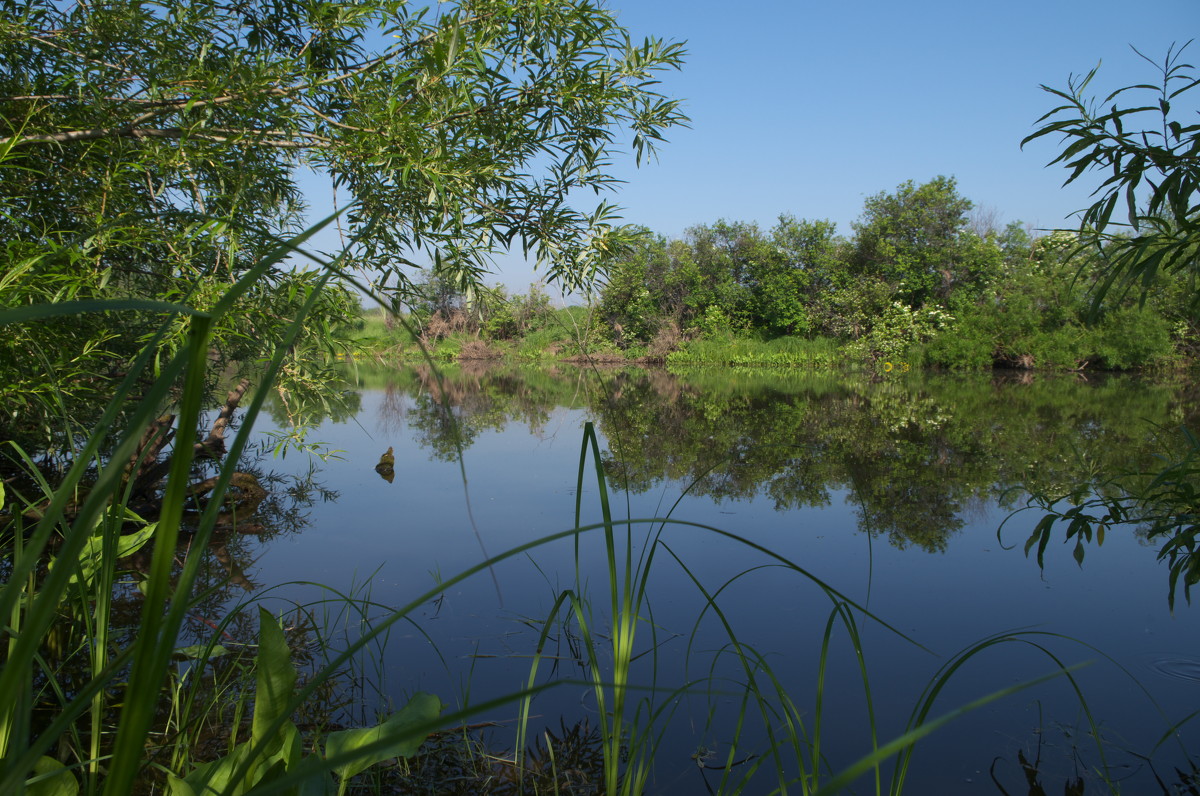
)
(913, 452)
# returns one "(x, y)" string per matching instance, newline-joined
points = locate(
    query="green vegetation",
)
(923, 279)
(151, 155)
(149, 213)
(149, 208)
(917, 282)
(920, 282)
(1151, 163)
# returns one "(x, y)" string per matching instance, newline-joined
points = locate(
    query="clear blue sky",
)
(808, 107)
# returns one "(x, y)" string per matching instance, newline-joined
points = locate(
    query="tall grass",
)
(96, 485)
(783, 352)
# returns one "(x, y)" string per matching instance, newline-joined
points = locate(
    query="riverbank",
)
(572, 335)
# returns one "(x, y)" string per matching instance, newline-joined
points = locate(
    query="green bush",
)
(968, 346)
(1132, 337)
(1064, 348)
(900, 328)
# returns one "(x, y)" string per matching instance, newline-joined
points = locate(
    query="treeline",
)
(921, 279)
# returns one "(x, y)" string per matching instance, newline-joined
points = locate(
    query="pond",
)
(885, 493)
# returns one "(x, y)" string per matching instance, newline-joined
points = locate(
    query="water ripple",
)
(1177, 667)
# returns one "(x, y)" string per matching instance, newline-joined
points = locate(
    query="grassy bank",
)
(573, 334)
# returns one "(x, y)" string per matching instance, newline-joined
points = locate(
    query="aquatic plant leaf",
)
(227, 776)
(60, 782)
(274, 675)
(178, 787)
(403, 741)
(1041, 537)
(214, 777)
(92, 554)
(196, 651)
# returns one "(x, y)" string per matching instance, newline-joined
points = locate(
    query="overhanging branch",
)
(273, 138)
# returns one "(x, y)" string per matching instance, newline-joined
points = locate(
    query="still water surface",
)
(890, 491)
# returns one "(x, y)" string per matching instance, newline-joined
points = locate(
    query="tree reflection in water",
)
(917, 453)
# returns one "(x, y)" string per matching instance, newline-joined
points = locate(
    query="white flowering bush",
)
(899, 328)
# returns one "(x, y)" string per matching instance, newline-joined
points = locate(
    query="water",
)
(889, 491)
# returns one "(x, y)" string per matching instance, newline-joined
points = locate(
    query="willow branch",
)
(274, 138)
(338, 124)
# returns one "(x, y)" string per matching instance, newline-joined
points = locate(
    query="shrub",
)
(898, 329)
(967, 346)
(1132, 337)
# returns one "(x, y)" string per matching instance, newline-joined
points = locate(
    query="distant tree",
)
(724, 275)
(636, 296)
(913, 240)
(717, 271)
(507, 317)
(793, 268)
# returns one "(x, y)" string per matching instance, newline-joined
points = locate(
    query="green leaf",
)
(179, 787)
(289, 749)
(196, 651)
(219, 777)
(422, 709)
(92, 555)
(215, 777)
(58, 782)
(274, 674)
(68, 308)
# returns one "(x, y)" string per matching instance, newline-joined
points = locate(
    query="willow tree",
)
(1145, 218)
(155, 150)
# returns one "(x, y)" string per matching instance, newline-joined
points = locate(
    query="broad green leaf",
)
(201, 650)
(213, 778)
(274, 674)
(219, 776)
(403, 741)
(179, 787)
(59, 782)
(318, 783)
(289, 749)
(91, 556)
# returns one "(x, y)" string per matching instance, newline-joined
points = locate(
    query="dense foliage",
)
(153, 151)
(920, 280)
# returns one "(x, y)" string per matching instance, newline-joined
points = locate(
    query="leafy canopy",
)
(457, 130)
(154, 149)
